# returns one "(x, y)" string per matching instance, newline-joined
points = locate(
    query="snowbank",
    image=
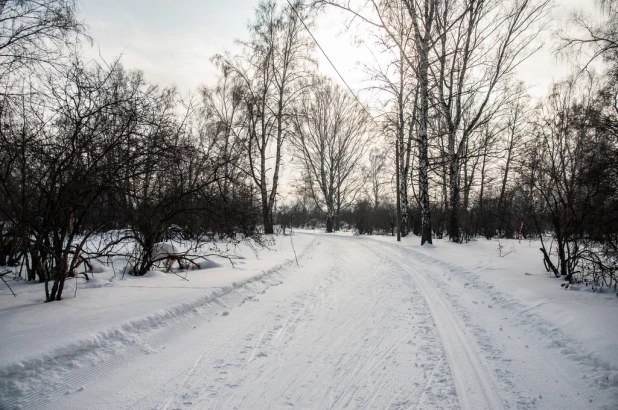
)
(109, 308)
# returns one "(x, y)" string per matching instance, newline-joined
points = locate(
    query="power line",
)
(331, 63)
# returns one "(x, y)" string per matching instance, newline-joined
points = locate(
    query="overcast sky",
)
(172, 41)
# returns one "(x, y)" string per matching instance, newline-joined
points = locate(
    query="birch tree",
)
(35, 34)
(330, 139)
(421, 17)
(397, 83)
(517, 125)
(220, 113)
(483, 42)
(272, 71)
(376, 177)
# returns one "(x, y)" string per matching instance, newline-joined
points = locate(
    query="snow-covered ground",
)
(362, 322)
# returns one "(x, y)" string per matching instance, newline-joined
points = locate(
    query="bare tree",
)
(570, 167)
(330, 139)
(517, 126)
(272, 72)
(221, 111)
(421, 15)
(397, 82)
(34, 34)
(598, 38)
(483, 42)
(376, 173)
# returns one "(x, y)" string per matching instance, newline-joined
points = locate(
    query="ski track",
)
(476, 389)
(361, 324)
(42, 381)
(337, 347)
(542, 369)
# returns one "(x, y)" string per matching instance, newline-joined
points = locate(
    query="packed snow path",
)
(359, 324)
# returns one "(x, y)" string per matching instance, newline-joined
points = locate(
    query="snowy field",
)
(360, 322)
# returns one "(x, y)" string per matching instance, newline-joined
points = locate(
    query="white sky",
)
(172, 41)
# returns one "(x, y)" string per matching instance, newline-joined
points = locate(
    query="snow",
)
(128, 302)
(579, 313)
(162, 250)
(362, 322)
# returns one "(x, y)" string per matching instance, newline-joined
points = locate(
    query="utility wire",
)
(364, 108)
(331, 63)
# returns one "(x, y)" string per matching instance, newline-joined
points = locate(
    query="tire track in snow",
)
(475, 386)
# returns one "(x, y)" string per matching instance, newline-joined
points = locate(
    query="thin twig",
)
(175, 273)
(291, 233)
(5, 282)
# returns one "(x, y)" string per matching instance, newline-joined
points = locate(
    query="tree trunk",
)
(398, 192)
(329, 223)
(485, 224)
(267, 218)
(502, 226)
(402, 170)
(60, 275)
(404, 207)
(454, 194)
(562, 260)
(404, 222)
(423, 175)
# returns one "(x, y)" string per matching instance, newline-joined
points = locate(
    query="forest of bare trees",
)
(478, 156)
(96, 161)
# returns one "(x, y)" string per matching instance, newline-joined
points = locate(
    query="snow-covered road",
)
(361, 323)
